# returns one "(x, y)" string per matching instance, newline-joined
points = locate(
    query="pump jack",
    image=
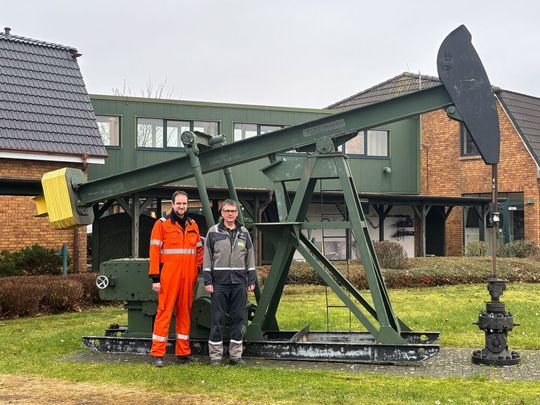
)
(387, 339)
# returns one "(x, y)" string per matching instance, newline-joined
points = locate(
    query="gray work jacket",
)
(227, 260)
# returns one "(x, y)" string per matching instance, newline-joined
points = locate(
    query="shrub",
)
(20, 297)
(476, 248)
(519, 248)
(424, 272)
(88, 283)
(62, 295)
(31, 295)
(391, 255)
(36, 260)
(8, 267)
(33, 260)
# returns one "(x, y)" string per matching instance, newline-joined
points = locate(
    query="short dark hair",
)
(177, 193)
(228, 201)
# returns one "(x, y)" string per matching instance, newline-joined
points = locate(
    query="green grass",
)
(40, 346)
(450, 310)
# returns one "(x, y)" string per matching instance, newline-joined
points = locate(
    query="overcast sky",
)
(303, 53)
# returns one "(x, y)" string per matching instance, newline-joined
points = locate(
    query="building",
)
(450, 165)
(138, 132)
(46, 123)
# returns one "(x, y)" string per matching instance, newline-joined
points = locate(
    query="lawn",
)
(42, 347)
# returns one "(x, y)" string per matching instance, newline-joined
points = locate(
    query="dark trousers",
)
(228, 299)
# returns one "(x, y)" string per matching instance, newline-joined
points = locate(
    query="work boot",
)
(157, 361)
(189, 359)
(215, 363)
(237, 362)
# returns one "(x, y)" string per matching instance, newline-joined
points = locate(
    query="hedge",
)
(425, 272)
(32, 295)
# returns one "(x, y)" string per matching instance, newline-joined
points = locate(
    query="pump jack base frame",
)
(337, 346)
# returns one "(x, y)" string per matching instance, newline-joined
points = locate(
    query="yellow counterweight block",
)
(61, 198)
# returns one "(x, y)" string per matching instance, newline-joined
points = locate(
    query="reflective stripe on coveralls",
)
(177, 251)
(159, 338)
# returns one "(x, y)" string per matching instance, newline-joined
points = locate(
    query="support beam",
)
(125, 205)
(382, 214)
(135, 226)
(422, 212)
(145, 204)
(159, 209)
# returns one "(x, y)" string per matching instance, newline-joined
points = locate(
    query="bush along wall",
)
(424, 272)
(33, 260)
(31, 295)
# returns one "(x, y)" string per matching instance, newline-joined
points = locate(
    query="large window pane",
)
(377, 143)
(269, 128)
(109, 129)
(149, 133)
(356, 145)
(208, 127)
(244, 131)
(174, 131)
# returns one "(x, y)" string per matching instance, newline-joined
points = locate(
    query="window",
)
(174, 131)
(468, 148)
(369, 143)
(245, 131)
(150, 131)
(209, 128)
(109, 129)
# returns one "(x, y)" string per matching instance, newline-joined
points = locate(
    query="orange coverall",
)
(176, 255)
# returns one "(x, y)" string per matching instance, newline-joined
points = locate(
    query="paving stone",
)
(450, 362)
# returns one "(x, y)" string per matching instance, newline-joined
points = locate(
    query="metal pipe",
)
(227, 172)
(495, 216)
(199, 179)
(64, 255)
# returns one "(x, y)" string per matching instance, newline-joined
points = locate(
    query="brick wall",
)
(19, 227)
(445, 172)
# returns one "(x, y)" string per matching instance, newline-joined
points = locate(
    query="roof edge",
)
(31, 41)
(518, 93)
(207, 103)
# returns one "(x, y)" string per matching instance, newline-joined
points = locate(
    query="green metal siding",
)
(368, 172)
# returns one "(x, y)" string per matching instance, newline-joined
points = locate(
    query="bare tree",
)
(151, 90)
(149, 134)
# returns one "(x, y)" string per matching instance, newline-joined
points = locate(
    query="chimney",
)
(6, 31)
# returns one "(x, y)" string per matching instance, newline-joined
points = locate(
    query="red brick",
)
(445, 172)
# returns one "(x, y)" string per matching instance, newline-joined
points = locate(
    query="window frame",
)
(164, 121)
(258, 128)
(463, 134)
(366, 154)
(119, 117)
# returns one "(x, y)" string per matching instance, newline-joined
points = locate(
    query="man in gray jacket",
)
(228, 270)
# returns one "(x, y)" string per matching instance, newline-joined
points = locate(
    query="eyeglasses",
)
(229, 211)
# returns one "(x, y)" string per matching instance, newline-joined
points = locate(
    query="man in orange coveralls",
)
(176, 254)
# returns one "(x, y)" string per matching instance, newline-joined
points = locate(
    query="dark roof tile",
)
(44, 105)
(524, 111)
(397, 86)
